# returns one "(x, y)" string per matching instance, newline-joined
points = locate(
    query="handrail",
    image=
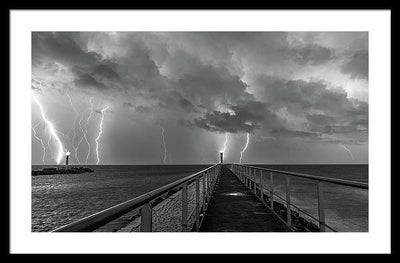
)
(314, 177)
(247, 174)
(105, 216)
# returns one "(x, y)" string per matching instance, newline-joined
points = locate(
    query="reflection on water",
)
(235, 194)
(346, 208)
(61, 199)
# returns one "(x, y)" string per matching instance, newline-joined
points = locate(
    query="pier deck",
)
(233, 208)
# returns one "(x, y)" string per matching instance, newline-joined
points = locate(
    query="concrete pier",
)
(233, 208)
(217, 199)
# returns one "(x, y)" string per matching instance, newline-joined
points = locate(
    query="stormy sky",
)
(173, 97)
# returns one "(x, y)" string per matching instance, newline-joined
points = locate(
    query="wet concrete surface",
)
(233, 208)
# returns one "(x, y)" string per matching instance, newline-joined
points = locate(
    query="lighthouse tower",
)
(221, 156)
(67, 159)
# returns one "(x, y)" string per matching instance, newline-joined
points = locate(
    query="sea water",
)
(63, 198)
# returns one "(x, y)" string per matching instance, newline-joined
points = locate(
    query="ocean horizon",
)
(60, 199)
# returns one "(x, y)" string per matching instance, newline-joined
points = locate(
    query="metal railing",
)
(247, 174)
(207, 176)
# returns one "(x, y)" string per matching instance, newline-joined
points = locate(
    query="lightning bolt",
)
(73, 127)
(87, 123)
(100, 132)
(41, 141)
(52, 131)
(83, 134)
(48, 143)
(165, 147)
(347, 149)
(245, 147)
(225, 143)
(60, 133)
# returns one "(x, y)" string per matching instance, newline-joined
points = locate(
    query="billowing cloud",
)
(242, 117)
(356, 65)
(282, 85)
(312, 54)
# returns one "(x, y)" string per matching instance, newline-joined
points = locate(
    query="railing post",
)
(184, 206)
(146, 218)
(271, 178)
(254, 181)
(250, 178)
(321, 207)
(261, 186)
(208, 186)
(247, 178)
(288, 214)
(211, 178)
(197, 203)
(204, 190)
(245, 175)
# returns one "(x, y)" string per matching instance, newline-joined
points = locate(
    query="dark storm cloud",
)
(302, 97)
(224, 122)
(235, 82)
(295, 133)
(330, 125)
(243, 117)
(87, 80)
(361, 123)
(312, 54)
(90, 69)
(357, 65)
(320, 119)
(143, 109)
(127, 105)
(203, 84)
(325, 110)
(209, 86)
(185, 104)
(343, 129)
(62, 47)
(106, 71)
(342, 141)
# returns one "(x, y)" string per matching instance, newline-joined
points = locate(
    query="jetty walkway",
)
(234, 208)
(221, 198)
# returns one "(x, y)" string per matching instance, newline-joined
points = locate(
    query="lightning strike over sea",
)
(41, 141)
(225, 143)
(83, 134)
(134, 130)
(48, 143)
(245, 147)
(73, 127)
(165, 147)
(99, 135)
(52, 131)
(87, 124)
(348, 150)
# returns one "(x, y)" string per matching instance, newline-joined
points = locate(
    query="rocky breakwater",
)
(62, 170)
(298, 223)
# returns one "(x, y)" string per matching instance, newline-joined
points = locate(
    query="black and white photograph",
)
(214, 131)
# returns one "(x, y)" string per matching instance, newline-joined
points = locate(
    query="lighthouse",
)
(221, 156)
(67, 159)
